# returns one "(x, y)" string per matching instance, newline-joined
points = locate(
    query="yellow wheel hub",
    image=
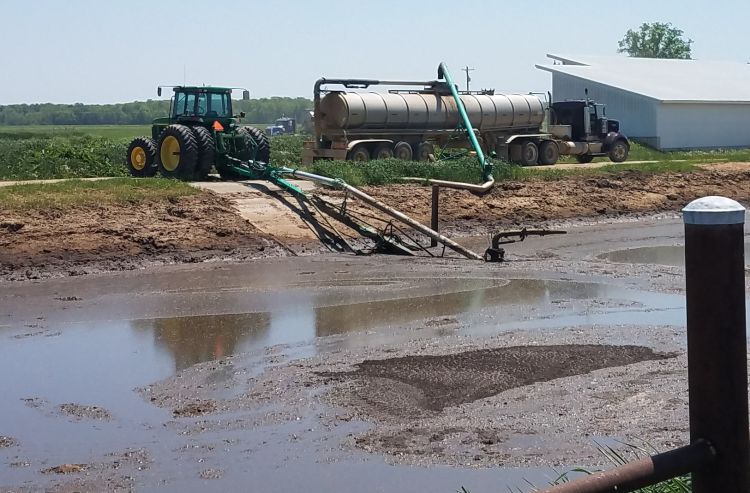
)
(170, 153)
(138, 158)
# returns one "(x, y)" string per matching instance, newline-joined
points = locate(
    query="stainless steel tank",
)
(371, 110)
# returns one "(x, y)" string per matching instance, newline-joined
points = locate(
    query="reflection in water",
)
(673, 255)
(192, 340)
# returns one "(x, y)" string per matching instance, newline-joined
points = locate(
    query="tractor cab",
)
(588, 120)
(201, 104)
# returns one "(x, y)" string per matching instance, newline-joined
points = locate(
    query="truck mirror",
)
(245, 95)
(158, 91)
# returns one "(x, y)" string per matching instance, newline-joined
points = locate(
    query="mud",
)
(323, 372)
(78, 411)
(412, 385)
(50, 243)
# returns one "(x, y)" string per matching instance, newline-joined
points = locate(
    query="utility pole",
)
(467, 69)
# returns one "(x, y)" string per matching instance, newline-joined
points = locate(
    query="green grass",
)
(44, 152)
(108, 131)
(80, 193)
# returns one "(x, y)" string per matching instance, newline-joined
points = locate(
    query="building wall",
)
(637, 114)
(703, 125)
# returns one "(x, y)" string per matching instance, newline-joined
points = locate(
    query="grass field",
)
(80, 193)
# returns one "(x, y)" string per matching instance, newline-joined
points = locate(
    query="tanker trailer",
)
(409, 123)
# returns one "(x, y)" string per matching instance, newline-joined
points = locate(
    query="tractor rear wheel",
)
(141, 157)
(206, 152)
(257, 146)
(178, 152)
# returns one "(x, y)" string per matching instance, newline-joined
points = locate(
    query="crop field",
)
(82, 151)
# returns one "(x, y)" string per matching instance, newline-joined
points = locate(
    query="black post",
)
(435, 213)
(717, 341)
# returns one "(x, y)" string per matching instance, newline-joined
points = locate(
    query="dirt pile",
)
(574, 196)
(43, 243)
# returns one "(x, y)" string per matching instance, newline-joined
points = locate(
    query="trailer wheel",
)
(584, 158)
(383, 151)
(529, 153)
(358, 153)
(402, 150)
(548, 152)
(178, 152)
(206, 152)
(141, 157)
(424, 151)
(619, 151)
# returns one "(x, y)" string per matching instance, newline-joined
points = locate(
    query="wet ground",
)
(319, 373)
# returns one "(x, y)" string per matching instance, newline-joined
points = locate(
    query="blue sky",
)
(101, 51)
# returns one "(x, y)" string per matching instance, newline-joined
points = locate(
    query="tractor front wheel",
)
(178, 152)
(141, 157)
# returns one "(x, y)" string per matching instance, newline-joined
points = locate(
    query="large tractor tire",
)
(257, 146)
(178, 152)
(141, 157)
(206, 152)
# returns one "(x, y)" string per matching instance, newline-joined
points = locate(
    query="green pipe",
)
(486, 167)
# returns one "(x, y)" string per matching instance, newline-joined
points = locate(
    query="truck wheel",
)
(206, 152)
(619, 151)
(257, 146)
(584, 158)
(424, 151)
(383, 151)
(358, 153)
(529, 154)
(403, 151)
(178, 152)
(548, 152)
(141, 157)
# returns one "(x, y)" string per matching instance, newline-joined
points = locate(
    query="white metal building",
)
(667, 104)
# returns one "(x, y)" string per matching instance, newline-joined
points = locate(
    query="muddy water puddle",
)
(97, 364)
(672, 255)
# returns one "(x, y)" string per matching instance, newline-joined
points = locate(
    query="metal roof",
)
(671, 81)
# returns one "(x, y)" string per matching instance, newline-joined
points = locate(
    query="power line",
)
(468, 69)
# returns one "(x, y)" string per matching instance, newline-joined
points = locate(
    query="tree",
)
(656, 40)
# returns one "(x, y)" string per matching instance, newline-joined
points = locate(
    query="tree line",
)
(263, 110)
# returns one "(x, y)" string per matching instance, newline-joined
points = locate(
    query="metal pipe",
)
(717, 340)
(383, 208)
(435, 216)
(478, 189)
(644, 472)
(443, 71)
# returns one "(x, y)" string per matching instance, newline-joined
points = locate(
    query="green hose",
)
(483, 162)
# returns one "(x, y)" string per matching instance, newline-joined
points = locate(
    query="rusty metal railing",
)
(718, 456)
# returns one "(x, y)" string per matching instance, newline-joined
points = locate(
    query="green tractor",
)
(200, 133)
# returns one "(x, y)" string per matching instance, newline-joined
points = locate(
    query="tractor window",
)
(190, 105)
(179, 104)
(202, 104)
(218, 106)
